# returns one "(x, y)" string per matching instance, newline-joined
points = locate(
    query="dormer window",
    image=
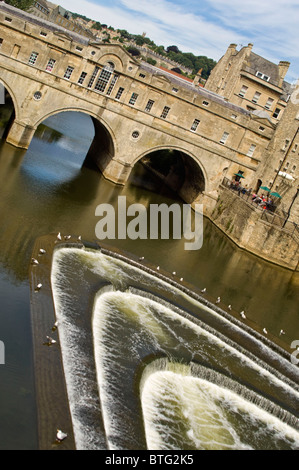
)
(262, 76)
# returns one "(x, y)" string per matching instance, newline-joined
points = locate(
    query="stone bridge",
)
(137, 109)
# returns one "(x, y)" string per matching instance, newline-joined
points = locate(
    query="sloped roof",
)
(182, 77)
(260, 64)
(257, 63)
(189, 85)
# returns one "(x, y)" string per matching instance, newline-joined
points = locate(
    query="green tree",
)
(97, 26)
(139, 40)
(124, 34)
(21, 4)
(133, 51)
(174, 49)
(151, 61)
(158, 49)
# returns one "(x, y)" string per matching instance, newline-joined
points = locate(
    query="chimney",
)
(283, 68)
(231, 50)
(197, 78)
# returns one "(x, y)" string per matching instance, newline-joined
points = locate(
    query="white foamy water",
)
(207, 415)
(125, 329)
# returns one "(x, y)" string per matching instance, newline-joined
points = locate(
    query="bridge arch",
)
(10, 109)
(102, 148)
(12, 94)
(178, 168)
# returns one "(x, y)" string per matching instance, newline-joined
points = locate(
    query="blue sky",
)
(206, 27)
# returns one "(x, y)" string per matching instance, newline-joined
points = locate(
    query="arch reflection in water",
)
(115, 320)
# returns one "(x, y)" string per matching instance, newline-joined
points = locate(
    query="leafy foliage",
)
(21, 4)
(186, 59)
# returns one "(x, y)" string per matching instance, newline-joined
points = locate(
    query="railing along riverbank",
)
(267, 211)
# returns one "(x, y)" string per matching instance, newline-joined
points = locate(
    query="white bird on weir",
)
(265, 331)
(59, 236)
(158, 267)
(243, 314)
(60, 436)
(34, 261)
(54, 328)
(218, 300)
(42, 251)
(204, 290)
(229, 307)
(50, 340)
(38, 287)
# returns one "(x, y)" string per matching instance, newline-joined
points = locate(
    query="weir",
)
(119, 322)
(208, 426)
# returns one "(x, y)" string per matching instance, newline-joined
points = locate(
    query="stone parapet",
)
(243, 224)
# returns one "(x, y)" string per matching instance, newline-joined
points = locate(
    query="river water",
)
(45, 190)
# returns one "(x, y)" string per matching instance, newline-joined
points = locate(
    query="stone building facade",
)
(251, 81)
(258, 85)
(60, 16)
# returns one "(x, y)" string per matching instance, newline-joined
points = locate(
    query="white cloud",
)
(206, 27)
(165, 23)
(272, 25)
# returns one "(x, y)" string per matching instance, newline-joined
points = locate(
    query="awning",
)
(276, 195)
(239, 174)
(265, 188)
(286, 175)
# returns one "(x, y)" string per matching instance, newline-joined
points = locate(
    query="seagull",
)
(243, 314)
(54, 328)
(59, 236)
(174, 273)
(141, 258)
(50, 340)
(42, 251)
(38, 287)
(218, 300)
(67, 237)
(79, 238)
(34, 261)
(60, 436)
(158, 267)
(282, 332)
(181, 279)
(204, 290)
(229, 307)
(265, 331)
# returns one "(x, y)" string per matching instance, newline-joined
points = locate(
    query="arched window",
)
(104, 77)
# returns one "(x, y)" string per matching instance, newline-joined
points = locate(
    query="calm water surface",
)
(45, 190)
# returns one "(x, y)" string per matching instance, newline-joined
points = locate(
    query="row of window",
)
(251, 148)
(286, 145)
(287, 167)
(50, 65)
(41, 8)
(107, 77)
(256, 98)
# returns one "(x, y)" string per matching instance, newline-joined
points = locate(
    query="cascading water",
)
(147, 366)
